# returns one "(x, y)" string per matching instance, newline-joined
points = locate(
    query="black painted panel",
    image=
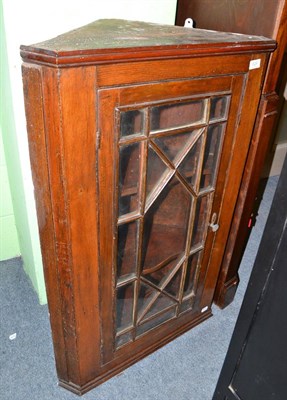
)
(255, 367)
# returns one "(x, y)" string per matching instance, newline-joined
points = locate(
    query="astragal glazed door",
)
(162, 177)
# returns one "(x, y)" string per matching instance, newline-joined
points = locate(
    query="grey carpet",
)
(186, 369)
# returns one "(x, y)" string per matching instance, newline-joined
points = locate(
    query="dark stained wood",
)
(247, 16)
(239, 233)
(77, 138)
(255, 365)
(261, 17)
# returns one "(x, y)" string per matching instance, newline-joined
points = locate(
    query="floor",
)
(186, 369)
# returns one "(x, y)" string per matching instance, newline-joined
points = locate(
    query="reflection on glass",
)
(146, 296)
(161, 272)
(192, 265)
(165, 227)
(177, 115)
(123, 339)
(127, 249)
(218, 107)
(173, 286)
(175, 147)
(190, 165)
(125, 298)
(185, 305)
(155, 322)
(176, 192)
(200, 221)
(157, 171)
(129, 173)
(131, 122)
(211, 155)
(160, 304)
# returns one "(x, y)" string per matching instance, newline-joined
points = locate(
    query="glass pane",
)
(165, 227)
(175, 147)
(211, 155)
(218, 107)
(200, 221)
(146, 296)
(185, 306)
(162, 271)
(153, 323)
(189, 167)
(161, 303)
(127, 249)
(157, 172)
(172, 288)
(123, 339)
(177, 115)
(129, 178)
(125, 298)
(131, 122)
(191, 272)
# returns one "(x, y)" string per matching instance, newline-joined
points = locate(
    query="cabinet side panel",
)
(236, 169)
(38, 157)
(228, 278)
(59, 202)
(79, 136)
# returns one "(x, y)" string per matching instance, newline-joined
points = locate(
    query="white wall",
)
(32, 21)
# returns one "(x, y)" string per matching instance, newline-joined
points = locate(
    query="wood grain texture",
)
(34, 107)
(61, 226)
(242, 16)
(263, 137)
(241, 146)
(268, 18)
(228, 278)
(79, 144)
(74, 124)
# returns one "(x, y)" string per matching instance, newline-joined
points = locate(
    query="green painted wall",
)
(9, 244)
(25, 222)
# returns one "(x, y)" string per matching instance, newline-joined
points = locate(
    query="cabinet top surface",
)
(99, 40)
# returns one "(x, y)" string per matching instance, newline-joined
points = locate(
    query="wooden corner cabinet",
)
(138, 138)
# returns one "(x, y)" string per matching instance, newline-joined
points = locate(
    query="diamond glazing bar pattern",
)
(168, 160)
